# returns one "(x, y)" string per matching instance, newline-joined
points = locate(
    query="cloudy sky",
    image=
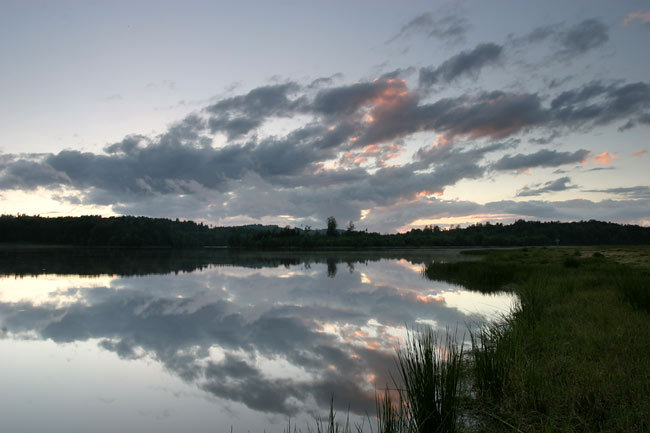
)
(390, 114)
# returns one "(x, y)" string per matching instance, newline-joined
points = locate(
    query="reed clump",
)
(430, 372)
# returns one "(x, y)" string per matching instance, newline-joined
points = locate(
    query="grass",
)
(430, 371)
(635, 288)
(493, 352)
(573, 356)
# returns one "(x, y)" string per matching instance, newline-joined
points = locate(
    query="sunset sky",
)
(390, 114)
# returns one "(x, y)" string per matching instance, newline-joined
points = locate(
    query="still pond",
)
(199, 341)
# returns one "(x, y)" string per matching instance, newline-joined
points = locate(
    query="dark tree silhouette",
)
(157, 232)
(331, 226)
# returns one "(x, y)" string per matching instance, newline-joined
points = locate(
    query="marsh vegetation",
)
(572, 355)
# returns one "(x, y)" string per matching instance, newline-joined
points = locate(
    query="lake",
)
(109, 340)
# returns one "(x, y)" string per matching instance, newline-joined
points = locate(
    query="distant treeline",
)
(158, 232)
(127, 231)
(520, 233)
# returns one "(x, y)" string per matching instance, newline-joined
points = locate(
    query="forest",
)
(132, 231)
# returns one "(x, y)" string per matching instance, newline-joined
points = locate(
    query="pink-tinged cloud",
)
(638, 15)
(605, 158)
(428, 193)
(640, 153)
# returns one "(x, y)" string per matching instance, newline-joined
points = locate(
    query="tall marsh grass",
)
(493, 353)
(430, 371)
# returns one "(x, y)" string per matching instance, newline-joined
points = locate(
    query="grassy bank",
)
(573, 356)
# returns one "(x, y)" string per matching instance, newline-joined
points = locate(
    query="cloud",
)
(347, 147)
(605, 158)
(537, 35)
(542, 158)
(640, 153)
(561, 184)
(467, 63)
(599, 104)
(29, 175)
(545, 140)
(643, 16)
(634, 192)
(567, 42)
(643, 119)
(240, 114)
(451, 28)
(582, 37)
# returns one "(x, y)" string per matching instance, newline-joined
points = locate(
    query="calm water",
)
(154, 341)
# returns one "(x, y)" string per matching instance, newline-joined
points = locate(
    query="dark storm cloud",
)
(467, 63)
(582, 37)
(542, 158)
(561, 184)
(451, 28)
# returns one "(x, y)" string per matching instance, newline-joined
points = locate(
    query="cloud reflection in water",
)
(278, 338)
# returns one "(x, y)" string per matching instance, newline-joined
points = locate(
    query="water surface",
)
(164, 341)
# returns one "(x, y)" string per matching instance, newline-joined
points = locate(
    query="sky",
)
(392, 115)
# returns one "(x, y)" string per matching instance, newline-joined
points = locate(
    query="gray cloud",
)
(567, 42)
(600, 104)
(582, 37)
(451, 28)
(238, 115)
(643, 119)
(537, 35)
(26, 174)
(467, 63)
(561, 184)
(490, 114)
(348, 99)
(542, 158)
(545, 140)
(633, 192)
